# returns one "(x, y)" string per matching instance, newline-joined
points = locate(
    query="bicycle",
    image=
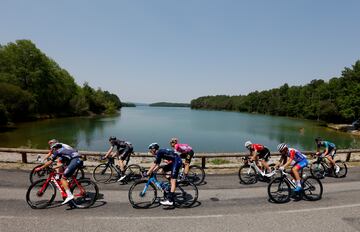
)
(42, 192)
(104, 172)
(321, 168)
(250, 173)
(144, 193)
(196, 174)
(35, 176)
(282, 188)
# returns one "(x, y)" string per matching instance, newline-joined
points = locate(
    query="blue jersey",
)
(295, 155)
(167, 154)
(64, 153)
(330, 146)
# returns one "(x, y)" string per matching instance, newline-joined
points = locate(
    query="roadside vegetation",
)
(34, 86)
(337, 100)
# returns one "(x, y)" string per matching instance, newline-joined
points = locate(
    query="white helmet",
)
(247, 144)
(281, 147)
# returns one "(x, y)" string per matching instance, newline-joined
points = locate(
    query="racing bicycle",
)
(43, 192)
(321, 168)
(250, 173)
(281, 189)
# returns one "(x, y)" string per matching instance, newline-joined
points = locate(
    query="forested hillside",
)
(337, 100)
(33, 85)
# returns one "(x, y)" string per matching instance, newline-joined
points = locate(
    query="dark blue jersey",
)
(166, 154)
(65, 154)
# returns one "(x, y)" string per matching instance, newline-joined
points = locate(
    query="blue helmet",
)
(154, 146)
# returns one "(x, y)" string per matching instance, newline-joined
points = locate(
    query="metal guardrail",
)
(24, 152)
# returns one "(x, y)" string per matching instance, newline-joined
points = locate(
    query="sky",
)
(148, 51)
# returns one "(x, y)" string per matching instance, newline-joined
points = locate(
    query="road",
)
(224, 205)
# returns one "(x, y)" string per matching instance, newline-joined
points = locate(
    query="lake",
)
(205, 131)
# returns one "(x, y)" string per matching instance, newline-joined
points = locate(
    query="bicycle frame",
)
(286, 175)
(153, 180)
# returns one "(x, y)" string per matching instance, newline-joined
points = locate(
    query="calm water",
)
(206, 131)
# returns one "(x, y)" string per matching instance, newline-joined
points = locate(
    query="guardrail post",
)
(24, 157)
(348, 156)
(203, 161)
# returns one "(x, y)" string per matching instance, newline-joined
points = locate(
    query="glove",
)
(38, 169)
(281, 168)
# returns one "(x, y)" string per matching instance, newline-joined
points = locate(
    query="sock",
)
(298, 183)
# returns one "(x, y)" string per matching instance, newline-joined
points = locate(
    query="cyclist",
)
(291, 156)
(259, 152)
(123, 151)
(329, 152)
(68, 157)
(184, 151)
(173, 166)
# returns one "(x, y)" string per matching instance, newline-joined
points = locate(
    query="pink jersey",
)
(182, 148)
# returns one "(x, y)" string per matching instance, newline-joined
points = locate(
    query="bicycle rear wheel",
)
(279, 190)
(312, 188)
(102, 173)
(142, 195)
(133, 173)
(80, 174)
(186, 194)
(35, 176)
(85, 193)
(343, 169)
(317, 170)
(247, 174)
(40, 194)
(196, 174)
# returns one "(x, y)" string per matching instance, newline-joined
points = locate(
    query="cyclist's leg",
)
(176, 165)
(69, 171)
(188, 159)
(296, 168)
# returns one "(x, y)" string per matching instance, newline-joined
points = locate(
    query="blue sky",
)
(148, 51)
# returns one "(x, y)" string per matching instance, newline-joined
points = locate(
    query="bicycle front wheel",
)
(186, 194)
(133, 173)
(142, 194)
(85, 193)
(343, 169)
(247, 174)
(313, 188)
(317, 170)
(196, 174)
(40, 194)
(102, 173)
(35, 176)
(279, 190)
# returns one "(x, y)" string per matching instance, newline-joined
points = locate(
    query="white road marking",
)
(320, 208)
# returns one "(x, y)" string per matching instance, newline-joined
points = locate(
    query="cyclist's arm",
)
(109, 152)
(47, 156)
(152, 168)
(288, 162)
(253, 155)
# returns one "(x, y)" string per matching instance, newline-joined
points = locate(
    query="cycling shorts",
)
(174, 167)
(331, 153)
(301, 164)
(125, 153)
(71, 168)
(264, 154)
(187, 156)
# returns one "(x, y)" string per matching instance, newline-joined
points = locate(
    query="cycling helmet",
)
(154, 146)
(247, 144)
(112, 138)
(281, 147)
(318, 139)
(52, 141)
(56, 146)
(174, 140)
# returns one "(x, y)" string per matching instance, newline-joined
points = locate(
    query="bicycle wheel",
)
(102, 173)
(80, 174)
(343, 169)
(40, 194)
(133, 172)
(196, 174)
(186, 194)
(317, 170)
(35, 176)
(279, 190)
(247, 174)
(312, 188)
(85, 193)
(142, 194)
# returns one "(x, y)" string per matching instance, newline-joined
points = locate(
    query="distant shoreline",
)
(169, 104)
(348, 128)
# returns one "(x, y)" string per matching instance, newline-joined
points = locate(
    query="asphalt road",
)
(224, 205)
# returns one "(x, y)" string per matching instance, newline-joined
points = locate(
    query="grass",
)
(219, 161)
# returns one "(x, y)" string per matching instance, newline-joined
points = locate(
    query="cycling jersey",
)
(170, 155)
(261, 151)
(124, 148)
(330, 146)
(295, 155)
(64, 153)
(182, 148)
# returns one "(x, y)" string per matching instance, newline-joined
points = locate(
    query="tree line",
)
(33, 85)
(337, 100)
